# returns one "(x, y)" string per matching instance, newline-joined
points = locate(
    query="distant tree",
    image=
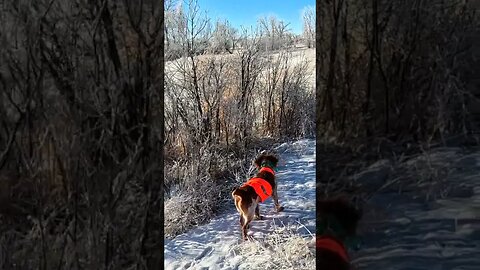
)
(224, 37)
(274, 32)
(308, 19)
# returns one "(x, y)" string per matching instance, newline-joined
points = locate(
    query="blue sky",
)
(247, 12)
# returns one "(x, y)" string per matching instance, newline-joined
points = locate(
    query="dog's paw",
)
(259, 217)
(280, 209)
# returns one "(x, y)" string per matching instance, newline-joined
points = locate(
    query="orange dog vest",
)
(261, 186)
(332, 245)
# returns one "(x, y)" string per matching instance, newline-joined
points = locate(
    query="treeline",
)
(402, 70)
(81, 123)
(220, 36)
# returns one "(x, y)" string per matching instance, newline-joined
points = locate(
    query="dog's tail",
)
(237, 197)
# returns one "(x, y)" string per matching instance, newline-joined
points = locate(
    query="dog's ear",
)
(272, 159)
(258, 161)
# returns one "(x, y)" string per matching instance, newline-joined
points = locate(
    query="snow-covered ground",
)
(404, 230)
(218, 245)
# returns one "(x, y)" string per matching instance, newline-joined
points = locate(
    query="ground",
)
(279, 242)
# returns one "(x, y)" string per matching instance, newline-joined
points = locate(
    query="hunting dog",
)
(256, 190)
(337, 221)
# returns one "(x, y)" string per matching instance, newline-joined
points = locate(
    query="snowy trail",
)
(408, 232)
(212, 246)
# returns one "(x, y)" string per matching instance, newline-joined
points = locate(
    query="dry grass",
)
(188, 208)
(282, 249)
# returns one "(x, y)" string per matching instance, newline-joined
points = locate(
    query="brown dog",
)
(337, 221)
(256, 190)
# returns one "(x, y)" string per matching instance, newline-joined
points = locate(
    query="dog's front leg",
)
(257, 212)
(275, 201)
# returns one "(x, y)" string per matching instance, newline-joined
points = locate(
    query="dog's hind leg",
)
(248, 214)
(242, 227)
(245, 229)
(245, 226)
(244, 233)
(241, 210)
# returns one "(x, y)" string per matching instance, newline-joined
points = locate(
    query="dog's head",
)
(265, 159)
(338, 215)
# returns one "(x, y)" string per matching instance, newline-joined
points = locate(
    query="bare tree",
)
(224, 37)
(308, 19)
(273, 31)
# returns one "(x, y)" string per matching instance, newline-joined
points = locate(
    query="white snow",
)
(218, 245)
